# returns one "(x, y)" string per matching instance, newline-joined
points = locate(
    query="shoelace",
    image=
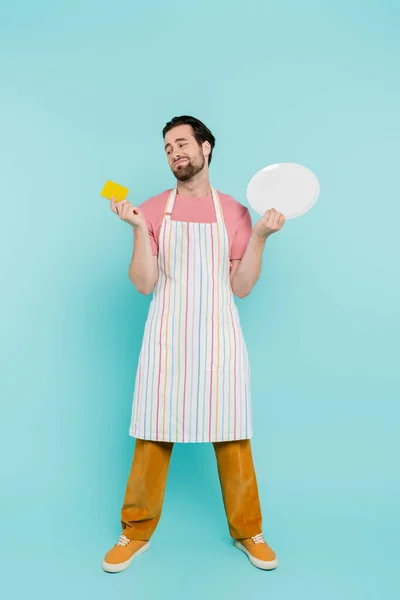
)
(258, 539)
(123, 540)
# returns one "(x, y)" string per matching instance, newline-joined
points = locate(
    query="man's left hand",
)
(271, 222)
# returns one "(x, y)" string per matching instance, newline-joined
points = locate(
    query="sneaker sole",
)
(260, 564)
(117, 568)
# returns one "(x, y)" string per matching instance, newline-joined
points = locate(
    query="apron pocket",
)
(220, 355)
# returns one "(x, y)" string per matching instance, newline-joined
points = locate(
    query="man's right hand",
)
(128, 213)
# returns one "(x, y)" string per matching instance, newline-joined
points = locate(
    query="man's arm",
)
(244, 273)
(143, 270)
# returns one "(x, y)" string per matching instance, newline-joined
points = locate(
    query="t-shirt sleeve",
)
(241, 236)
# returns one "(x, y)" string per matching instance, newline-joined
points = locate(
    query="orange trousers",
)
(147, 480)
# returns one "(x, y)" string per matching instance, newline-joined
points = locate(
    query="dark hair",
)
(200, 131)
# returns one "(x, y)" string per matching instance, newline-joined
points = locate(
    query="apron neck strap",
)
(217, 205)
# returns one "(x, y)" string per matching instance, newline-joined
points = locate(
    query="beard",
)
(186, 172)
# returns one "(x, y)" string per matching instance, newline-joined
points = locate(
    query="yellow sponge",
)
(111, 189)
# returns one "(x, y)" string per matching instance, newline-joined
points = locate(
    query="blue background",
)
(86, 88)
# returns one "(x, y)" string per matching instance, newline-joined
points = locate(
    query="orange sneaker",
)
(123, 553)
(258, 551)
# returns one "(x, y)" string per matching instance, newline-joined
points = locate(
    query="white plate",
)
(290, 188)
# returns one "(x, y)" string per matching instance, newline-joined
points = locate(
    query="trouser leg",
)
(239, 488)
(145, 489)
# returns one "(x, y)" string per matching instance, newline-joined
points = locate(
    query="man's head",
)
(188, 145)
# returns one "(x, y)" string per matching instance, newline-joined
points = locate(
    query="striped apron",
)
(193, 377)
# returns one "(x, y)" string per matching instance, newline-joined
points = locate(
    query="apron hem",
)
(228, 438)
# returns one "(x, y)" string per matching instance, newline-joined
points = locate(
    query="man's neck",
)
(197, 187)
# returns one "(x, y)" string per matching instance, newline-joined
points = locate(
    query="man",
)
(195, 248)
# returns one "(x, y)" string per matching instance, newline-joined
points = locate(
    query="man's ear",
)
(206, 149)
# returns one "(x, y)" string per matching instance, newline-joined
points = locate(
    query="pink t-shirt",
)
(201, 210)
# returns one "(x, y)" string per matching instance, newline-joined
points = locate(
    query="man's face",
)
(185, 157)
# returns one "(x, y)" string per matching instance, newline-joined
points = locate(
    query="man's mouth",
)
(180, 162)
